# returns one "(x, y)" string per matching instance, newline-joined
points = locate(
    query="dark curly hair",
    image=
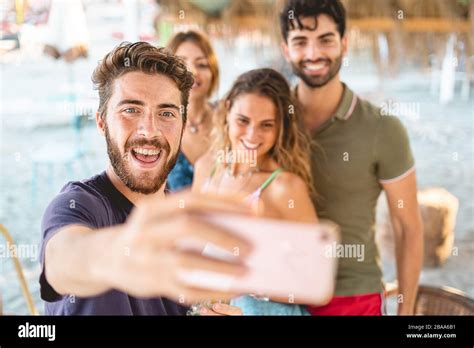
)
(294, 10)
(140, 56)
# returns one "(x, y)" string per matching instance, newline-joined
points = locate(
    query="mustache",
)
(158, 143)
(322, 60)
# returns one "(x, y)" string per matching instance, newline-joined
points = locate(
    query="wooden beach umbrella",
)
(413, 30)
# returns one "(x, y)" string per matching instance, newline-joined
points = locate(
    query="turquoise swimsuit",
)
(182, 174)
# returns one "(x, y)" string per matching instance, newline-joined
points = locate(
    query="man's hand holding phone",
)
(146, 260)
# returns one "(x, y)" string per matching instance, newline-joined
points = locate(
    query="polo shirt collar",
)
(347, 105)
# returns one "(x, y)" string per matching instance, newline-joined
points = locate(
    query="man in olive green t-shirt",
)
(363, 153)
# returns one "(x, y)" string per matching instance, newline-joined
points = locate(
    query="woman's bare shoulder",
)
(288, 184)
(205, 162)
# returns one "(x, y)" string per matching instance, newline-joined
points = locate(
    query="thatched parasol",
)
(414, 29)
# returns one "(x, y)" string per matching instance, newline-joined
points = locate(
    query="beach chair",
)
(432, 300)
(21, 276)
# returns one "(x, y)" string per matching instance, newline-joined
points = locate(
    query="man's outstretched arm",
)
(140, 257)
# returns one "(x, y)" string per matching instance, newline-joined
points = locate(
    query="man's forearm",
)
(409, 250)
(76, 260)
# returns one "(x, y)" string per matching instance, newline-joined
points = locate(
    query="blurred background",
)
(412, 57)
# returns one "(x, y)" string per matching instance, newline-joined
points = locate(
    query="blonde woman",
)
(196, 51)
(260, 153)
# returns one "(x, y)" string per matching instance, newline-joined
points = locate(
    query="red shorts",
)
(368, 304)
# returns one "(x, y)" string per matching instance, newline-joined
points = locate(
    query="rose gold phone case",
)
(289, 260)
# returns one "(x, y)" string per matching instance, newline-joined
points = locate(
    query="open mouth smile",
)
(146, 157)
(250, 146)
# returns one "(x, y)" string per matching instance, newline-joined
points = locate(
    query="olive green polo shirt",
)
(361, 149)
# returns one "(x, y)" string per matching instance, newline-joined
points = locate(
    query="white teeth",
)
(250, 145)
(146, 152)
(315, 66)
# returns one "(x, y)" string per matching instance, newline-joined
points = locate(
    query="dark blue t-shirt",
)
(94, 203)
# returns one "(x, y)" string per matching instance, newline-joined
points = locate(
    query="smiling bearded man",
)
(111, 242)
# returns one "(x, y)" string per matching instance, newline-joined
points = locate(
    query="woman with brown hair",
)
(261, 154)
(196, 51)
(258, 141)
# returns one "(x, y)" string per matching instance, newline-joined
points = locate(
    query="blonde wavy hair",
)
(200, 40)
(293, 146)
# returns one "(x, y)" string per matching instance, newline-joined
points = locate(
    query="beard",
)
(145, 183)
(318, 81)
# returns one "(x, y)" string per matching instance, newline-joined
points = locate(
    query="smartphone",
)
(289, 259)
